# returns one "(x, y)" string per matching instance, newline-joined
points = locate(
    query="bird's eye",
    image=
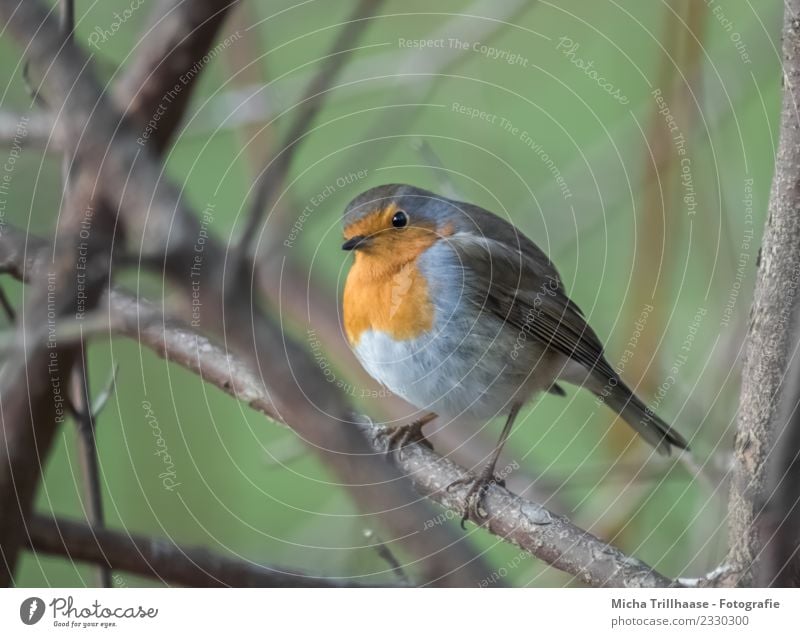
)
(400, 219)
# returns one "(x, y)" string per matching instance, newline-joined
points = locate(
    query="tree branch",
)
(780, 516)
(768, 345)
(179, 34)
(162, 559)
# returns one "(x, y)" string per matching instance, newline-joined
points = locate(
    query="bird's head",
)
(395, 223)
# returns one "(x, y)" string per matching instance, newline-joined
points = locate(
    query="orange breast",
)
(394, 301)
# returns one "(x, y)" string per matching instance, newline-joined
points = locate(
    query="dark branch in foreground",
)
(179, 35)
(162, 559)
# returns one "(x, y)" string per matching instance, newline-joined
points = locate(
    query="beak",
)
(356, 242)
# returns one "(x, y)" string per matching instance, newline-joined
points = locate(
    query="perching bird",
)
(455, 310)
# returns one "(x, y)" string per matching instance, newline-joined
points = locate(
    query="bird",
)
(455, 310)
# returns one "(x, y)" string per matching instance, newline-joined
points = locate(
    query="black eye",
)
(400, 219)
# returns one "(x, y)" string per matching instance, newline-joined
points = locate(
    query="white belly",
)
(466, 375)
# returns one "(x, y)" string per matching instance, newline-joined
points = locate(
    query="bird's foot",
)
(473, 501)
(402, 435)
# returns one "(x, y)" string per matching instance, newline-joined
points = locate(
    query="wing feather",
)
(525, 291)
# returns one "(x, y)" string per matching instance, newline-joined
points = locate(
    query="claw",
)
(404, 435)
(473, 501)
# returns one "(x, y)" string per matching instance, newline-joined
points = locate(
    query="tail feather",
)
(644, 420)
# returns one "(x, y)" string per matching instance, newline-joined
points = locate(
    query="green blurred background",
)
(617, 227)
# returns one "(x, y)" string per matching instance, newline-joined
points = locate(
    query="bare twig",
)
(79, 387)
(768, 344)
(162, 559)
(32, 393)
(550, 537)
(90, 465)
(385, 553)
(532, 527)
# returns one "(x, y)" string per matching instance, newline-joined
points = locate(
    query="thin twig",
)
(90, 463)
(385, 553)
(33, 384)
(30, 390)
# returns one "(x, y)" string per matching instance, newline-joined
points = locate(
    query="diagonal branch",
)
(169, 52)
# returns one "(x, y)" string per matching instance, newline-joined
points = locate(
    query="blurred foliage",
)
(247, 486)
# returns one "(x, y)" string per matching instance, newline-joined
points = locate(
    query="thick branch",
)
(170, 55)
(161, 558)
(780, 518)
(768, 344)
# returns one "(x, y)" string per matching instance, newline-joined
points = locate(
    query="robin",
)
(458, 312)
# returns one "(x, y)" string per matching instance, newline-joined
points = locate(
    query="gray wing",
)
(523, 289)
